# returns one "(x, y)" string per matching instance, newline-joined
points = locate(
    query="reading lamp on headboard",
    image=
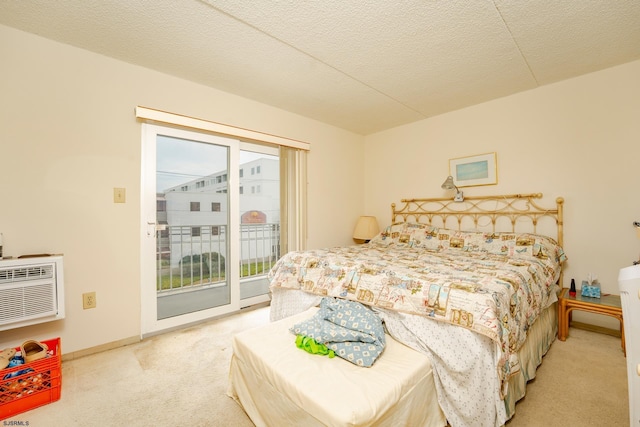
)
(449, 185)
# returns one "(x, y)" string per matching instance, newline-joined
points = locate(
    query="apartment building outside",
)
(193, 217)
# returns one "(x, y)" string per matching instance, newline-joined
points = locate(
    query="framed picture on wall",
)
(474, 170)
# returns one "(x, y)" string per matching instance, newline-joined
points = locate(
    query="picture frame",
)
(481, 169)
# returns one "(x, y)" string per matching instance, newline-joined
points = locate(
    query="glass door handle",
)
(153, 228)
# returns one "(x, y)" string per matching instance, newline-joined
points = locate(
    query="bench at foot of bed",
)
(278, 384)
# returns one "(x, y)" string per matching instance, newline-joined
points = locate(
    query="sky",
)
(181, 160)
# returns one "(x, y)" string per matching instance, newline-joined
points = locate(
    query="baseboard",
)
(99, 348)
(595, 328)
(133, 340)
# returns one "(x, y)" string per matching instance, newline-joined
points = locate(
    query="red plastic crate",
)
(32, 389)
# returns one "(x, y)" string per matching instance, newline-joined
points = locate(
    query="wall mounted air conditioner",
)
(31, 291)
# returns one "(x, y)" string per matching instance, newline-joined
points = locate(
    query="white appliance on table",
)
(629, 284)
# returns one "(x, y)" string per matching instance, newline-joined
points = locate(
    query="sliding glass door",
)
(212, 222)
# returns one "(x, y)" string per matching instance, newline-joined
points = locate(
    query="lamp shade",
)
(448, 184)
(366, 228)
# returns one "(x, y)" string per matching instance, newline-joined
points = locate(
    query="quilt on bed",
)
(495, 284)
(351, 330)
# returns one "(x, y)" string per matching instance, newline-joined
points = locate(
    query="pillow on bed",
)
(539, 246)
(494, 243)
(410, 234)
(509, 244)
(404, 234)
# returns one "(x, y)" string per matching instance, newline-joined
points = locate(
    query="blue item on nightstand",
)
(591, 291)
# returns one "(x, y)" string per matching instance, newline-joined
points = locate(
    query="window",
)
(253, 171)
(257, 169)
(161, 205)
(195, 231)
(200, 184)
(184, 188)
(241, 190)
(241, 173)
(195, 207)
(215, 206)
(215, 230)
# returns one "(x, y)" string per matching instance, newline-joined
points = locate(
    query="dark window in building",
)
(215, 207)
(195, 206)
(195, 231)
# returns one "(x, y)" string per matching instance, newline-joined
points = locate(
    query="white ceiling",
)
(364, 65)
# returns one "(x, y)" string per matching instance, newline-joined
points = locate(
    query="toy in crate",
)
(591, 287)
(32, 376)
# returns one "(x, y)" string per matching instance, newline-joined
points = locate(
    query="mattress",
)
(278, 384)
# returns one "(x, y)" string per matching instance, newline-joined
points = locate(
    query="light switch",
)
(119, 195)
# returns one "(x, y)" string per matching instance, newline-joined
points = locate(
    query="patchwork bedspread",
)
(494, 284)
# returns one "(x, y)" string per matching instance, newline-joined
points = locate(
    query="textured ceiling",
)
(364, 65)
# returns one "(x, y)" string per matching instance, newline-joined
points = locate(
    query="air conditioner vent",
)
(31, 273)
(31, 291)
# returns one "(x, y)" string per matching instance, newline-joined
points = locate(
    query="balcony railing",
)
(190, 257)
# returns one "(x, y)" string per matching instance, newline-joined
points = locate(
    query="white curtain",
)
(293, 199)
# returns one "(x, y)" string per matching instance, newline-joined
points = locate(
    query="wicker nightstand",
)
(607, 304)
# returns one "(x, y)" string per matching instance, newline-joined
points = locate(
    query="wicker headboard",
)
(512, 212)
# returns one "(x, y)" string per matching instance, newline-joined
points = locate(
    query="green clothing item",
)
(310, 345)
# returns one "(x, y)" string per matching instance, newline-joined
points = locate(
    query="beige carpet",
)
(180, 379)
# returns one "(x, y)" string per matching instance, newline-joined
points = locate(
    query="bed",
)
(471, 287)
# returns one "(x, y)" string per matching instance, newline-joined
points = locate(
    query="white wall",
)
(579, 139)
(68, 136)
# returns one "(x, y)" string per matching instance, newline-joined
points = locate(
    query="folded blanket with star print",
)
(350, 329)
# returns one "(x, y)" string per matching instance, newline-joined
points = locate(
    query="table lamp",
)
(366, 229)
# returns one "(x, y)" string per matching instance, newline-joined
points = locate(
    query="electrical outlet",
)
(89, 300)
